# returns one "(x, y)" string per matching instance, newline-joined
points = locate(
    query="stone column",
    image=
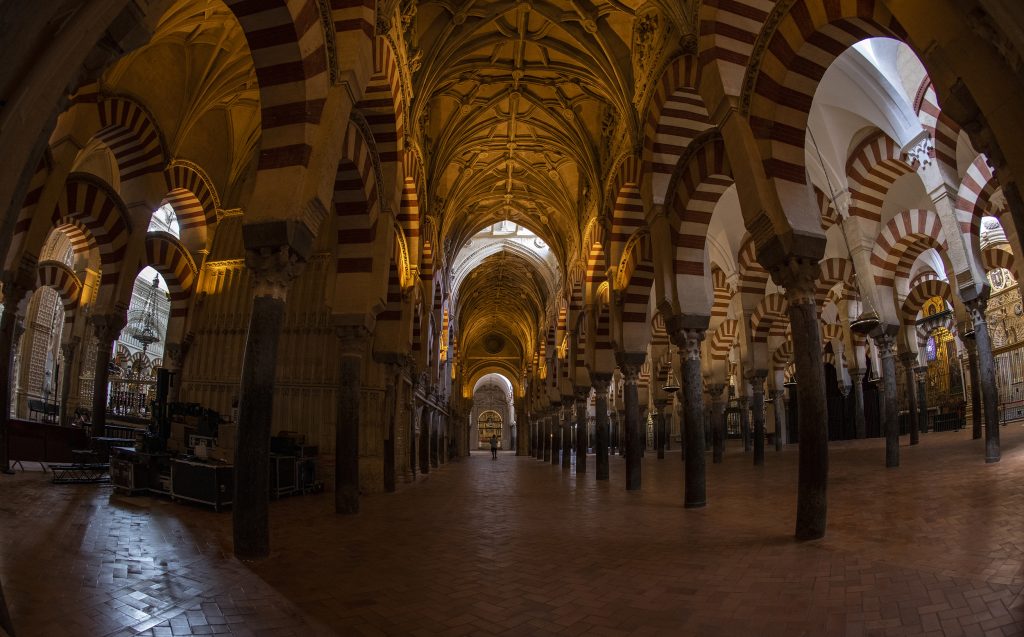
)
(630, 364)
(718, 430)
(659, 432)
(272, 268)
(799, 277)
(972, 362)
(694, 481)
(106, 327)
(891, 426)
(860, 427)
(567, 413)
(174, 362)
(412, 420)
(68, 351)
(986, 375)
(921, 375)
(435, 435)
(909, 361)
(744, 405)
(779, 406)
(600, 383)
(582, 393)
(391, 405)
(353, 341)
(14, 293)
(425, 418)
(546, 437)
(756, 379)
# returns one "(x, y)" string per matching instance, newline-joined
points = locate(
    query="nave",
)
(522, 547)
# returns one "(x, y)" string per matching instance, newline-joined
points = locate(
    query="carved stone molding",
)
(799, 276)
(107, 327)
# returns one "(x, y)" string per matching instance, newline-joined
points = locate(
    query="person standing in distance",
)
(494, 447)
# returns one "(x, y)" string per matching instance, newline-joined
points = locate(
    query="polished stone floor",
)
(519, 547)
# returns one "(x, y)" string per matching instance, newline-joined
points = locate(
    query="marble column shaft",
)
(424, 443)
(921, 375)
(987, 376)
(659, 430)
(353, 340)
(582, 393)
(567, 414)
(12, 298)
(891, 426)
(909, 361)
(630, 364)
(859, 424)
(779, 407)
(756, 379)
(107, 327)
(744, 408)
(717, 394)
(976, 411)
(692, 390)
(600, 383)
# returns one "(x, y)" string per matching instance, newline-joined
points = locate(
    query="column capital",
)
(776, 394)
(976, 308)
(276, 251)
(886, 344)
(174, 353)
(353, 338)
(688, 341)
(630, 364)
(69, 347)
(799, 276)
(581, 393)
(600, 382)
(908, 359)
(756, 378)
(857, 374)
(660, 403)
(107, 327)
(715, 390)
(921, 372)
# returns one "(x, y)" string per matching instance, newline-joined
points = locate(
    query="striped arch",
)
(703, 178)
(926, 274)
(168, 256)
(973, 200)
(64, 280)
(833, 271)
(729, 30)
(782, 356)
(417, 331)
(192, 195)
(998, 256)
(677, 115)
(872, 169)
(131, 134)
(942, 130)
(356, 204)
(769, 318)
(603, 326)
(627, 218)
(89, 203)
(753, 276)
(409, 216)
(382, 103)
(829, 214)
(923, 330)
(597, 264)
(723, 293)
(809, 37)
(919, 295)
(636, 276)
(290, 56)
(723, 339)
(831, 332)
(28, 208)
(901, 241)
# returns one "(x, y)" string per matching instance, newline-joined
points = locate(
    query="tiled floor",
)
(520, 547)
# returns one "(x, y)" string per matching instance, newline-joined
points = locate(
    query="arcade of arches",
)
(590, 229)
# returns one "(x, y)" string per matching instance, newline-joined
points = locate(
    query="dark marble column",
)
(106, 327)
(600, 383)
(568, 403)
(921, 376)
(986, 374)
(546, 437)
(435, 435)
(859, 425)
(14, 293)
(412, 422)
(556, 433)
(391, 405)
(353, 341)
(659, 432)
(68, 352)
(756, 379)
(582, 393)
(630, 364)
(799, 277)
(535, 433)
(688, 341)
(717, 393)
(743, 404)
(779, 406)
(425, 419)
(909, 361)
(272, 268)
(891, 426)
(972, 362)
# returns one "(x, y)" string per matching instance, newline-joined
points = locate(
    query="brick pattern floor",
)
(520, 547)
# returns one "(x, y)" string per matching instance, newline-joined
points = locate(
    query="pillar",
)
(799, 277)
(567, 413)
(972, 362)
(412, 422)
(891, 426)
(391, 405)
(717, 393)
(632, 433)
(582, 393)
(424, 442)
(68, 351)
(433, 440)
(909, 361)
(174, 362)
(600, 383)
(659, 431)
(756, 379)
(353, 340)
(272, 266)
(688, 341)
(107, 327)
(779, 407)
(986, 375)
(921, 375)
(14, 293)
(859, 425)
(744, 405)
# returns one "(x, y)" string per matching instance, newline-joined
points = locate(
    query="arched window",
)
(165, 220)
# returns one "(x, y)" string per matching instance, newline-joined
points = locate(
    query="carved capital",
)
(715, 391)
(660, 404)
(756, 378)
(276, 252)
(353, 339)
(581, 393)
(68, 349)
(857, 375)
(688, 341)
(630, 364)
(886, 344)
(107, 327)
(799, 276)
(174, 353)
(976, 309)
(776, 394)
(600, 383)
(909, 359)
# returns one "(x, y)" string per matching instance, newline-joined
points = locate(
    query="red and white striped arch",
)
(942, 129)
(999, 256)
(872, 169)
(834, 271)
(901, 241)
(782, 356)
(87, 203)
(769, 318)
(131, 134)
(63, 279)
(723, 339)
(636, 276)
(192, 195)
(920, 294)
(810, 36)
(627, 218)
(382, 103)
(166, 255)
(753, 278)
(722, 293)
(729, 29)
(973, 201)
(356, 204)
